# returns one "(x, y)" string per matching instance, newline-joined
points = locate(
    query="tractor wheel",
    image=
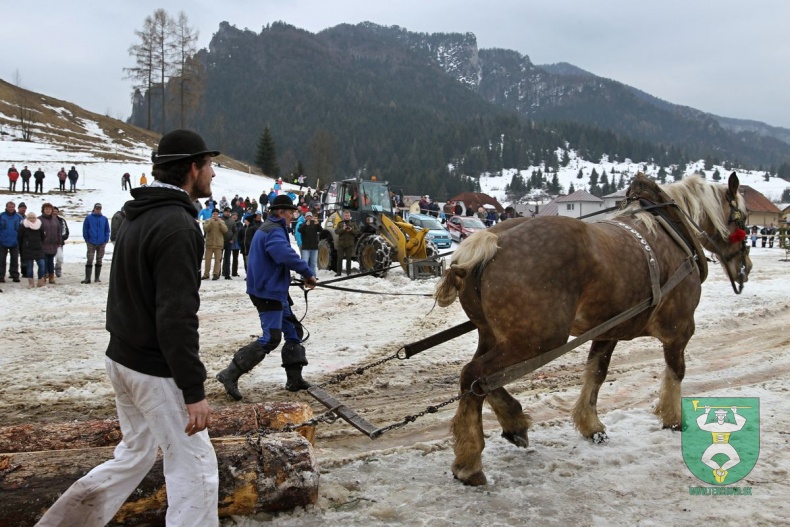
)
(327, 255)
(374, 253)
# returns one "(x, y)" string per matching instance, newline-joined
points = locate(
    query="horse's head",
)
(727, 236)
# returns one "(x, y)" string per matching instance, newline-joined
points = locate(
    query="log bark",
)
(279, 476)
(236, 420)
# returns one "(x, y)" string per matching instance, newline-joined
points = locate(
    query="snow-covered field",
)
(52, 362)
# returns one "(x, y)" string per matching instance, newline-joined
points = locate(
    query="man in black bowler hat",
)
(153, 358)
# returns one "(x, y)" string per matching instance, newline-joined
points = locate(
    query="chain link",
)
(330, 416)
(340, 377)
(411, 418)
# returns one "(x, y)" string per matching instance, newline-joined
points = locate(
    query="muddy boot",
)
(98, 273)
(52, 278)
(294, 381)
(31, 283)
(229, 377)
(243, 361)
(88, 269)
(294, 359)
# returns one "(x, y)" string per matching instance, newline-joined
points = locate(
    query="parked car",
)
(461, 227)
(436, 232)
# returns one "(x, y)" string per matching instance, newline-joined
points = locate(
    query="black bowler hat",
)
(282, 202)
(180, 144)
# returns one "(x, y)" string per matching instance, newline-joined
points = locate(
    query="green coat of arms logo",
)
(721, 437)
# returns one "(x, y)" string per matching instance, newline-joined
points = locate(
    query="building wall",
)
(580, 208)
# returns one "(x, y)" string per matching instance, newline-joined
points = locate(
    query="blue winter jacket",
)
(297, 234)
(9, 229)
(96, 229)
(271, 261)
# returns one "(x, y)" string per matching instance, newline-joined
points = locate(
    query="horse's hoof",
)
(475, 480)
(519, 439)
(600, 438)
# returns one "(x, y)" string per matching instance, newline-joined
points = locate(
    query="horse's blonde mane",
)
(698, 198)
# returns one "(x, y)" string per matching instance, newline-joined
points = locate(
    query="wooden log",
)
(235, 420)
(280, 476)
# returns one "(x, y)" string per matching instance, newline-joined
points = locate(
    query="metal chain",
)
(330, 417)
(359, 371)
(429, 410)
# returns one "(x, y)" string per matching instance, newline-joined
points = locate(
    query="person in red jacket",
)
(13, 176)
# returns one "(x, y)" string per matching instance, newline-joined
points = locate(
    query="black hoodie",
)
(153, 297)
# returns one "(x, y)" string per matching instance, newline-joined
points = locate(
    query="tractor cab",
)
(382, 235)
(366, 200)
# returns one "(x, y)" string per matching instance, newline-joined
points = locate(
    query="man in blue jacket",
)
(271, 261)
(96, 231)
(9, 244)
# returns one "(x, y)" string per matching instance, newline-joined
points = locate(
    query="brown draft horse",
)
(528, 284)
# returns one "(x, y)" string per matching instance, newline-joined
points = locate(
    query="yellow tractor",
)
(383, 236)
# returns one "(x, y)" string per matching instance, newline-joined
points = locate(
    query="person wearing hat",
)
(153, 358)
(214, 230)
(96, 232)
(271, 261)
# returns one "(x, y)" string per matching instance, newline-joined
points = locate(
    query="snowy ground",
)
(52, 362)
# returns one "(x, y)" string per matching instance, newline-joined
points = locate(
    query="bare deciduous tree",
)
(25, 109)
(142, 73)
(186, 70)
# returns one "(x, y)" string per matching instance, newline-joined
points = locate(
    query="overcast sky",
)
(726, 57)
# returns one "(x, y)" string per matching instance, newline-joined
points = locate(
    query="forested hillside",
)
(430, 112)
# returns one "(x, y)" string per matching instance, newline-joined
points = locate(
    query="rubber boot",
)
(243, 361)
(294, 381)
(98, 273)
(229, 377)
(88, 269)
(294, 359)
(31, 283)
(51, 278)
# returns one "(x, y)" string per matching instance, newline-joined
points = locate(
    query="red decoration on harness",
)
(737, 236)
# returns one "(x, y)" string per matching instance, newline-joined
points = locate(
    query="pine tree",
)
(554, 186)
(266, 157)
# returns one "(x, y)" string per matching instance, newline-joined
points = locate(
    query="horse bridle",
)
(737, 217)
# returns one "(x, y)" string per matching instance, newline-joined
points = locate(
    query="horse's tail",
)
(476, 251)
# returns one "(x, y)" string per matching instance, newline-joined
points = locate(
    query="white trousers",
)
(152, 414)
